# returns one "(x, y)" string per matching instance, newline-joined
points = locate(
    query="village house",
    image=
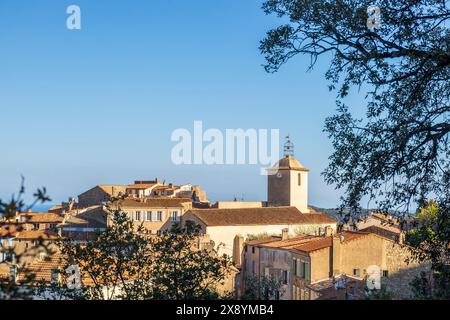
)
(39, 220)
(309, 266)
(101, 194)
(181, 191)
(21, 247)
(229, 224)
(142, 189)
(229, 228)
(154, 214)
(84, 224)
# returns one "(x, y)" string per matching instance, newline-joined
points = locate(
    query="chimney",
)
(285, 234)
(335, 254)
(238, 248)
(328, 231)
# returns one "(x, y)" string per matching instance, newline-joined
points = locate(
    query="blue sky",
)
(98, 105)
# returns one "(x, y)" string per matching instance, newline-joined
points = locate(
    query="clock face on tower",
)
(279, 175)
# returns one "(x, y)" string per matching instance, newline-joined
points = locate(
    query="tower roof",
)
(289, 163)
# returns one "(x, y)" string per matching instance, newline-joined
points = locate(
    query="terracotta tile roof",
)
(41, 269)
(142, 186)
(309, 243)
(262, 241)
(390, 233)
(161, 188)
(9, 230)
(315, 244)
(388, 219)
(259, 216)
(94, 217)
(154, 203)
(41, 217)
(36, 234)
(294, 242)
(319, 243)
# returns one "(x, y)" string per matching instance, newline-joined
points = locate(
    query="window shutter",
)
(307, 272)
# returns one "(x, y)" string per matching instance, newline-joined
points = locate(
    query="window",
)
(253, 267)
(385, 273)
(154, 216)
(285, 277)
(160, 216)
(137, 216)
(301, 271)
(174, 216)
(253, 250)
(299, 179)
(148, 216)
(356, 272)
(245, 248)
(36, 226)
(294, 266)
(307, 272)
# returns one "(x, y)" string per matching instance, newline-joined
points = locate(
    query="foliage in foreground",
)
(126, 262)
(398, 154)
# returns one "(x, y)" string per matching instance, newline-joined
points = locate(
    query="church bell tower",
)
(288, 181)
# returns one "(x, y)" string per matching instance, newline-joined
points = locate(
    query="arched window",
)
(299, 179)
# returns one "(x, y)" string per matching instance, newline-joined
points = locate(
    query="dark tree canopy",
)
(398, 155)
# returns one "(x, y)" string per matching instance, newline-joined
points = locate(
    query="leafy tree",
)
(262, 288)
(126, 262)
(382, 294)
(430, 242)
(398, 155)
(117, 264)
(184, 270)
(9, 289)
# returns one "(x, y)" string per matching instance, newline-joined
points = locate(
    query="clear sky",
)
(98, 105)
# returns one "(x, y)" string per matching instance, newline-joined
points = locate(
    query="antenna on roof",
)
(288, 147)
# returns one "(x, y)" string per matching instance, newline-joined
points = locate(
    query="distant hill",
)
(334, 212)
